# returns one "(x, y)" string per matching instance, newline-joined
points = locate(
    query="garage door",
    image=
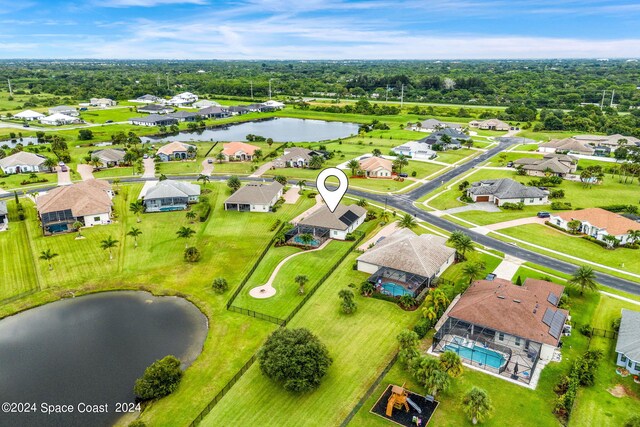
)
(482, 199)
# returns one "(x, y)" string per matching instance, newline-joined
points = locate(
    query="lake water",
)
(280, 130)
(24, 141)
(90, 350)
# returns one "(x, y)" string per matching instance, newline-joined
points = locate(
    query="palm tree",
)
(473, 271)
(257, 155)
(354, 165)
(400, 162)
(95, 162)
(584, 278)
(451, 364)
(134, 232)
(301, 280)
(234, 183)
(204, 178)
(430, 313)
(185, 233)
(428, 372)
(191, 215)
(436, 299)
(316, 162)
(47, 256)
(610, 240)
(116, 183)
(77, 226)
(137, 208)
(376, 152)
(362, 203)
(108, 244)
(407, 221)
(301, 184)
(50, 163)
(306, 239)
(220, 157)
(462, 244)
(477, 405)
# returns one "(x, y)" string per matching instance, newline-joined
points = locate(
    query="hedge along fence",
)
(281, 322)
(253, 268)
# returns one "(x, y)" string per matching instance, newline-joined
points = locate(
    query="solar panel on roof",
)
(553, 298)
(548, 317)
(557, 324)
(348, 218)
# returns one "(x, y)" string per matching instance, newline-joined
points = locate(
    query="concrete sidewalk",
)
(508, 267)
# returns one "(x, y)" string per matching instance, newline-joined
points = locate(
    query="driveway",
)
(386, 231)
(149, 168)
(64, 178)
(508, 267)
(85, 171)
(480, 206)
(207, 168)
(292, 195)
(262, 169)
(515, 223)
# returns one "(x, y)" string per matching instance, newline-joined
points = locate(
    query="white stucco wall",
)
(97, 219)
(366, 267)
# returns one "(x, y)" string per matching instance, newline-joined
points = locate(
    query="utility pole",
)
(10, 91)
(269, 89)
(612, 93)
(386, 95)
(602, 101)
(167, 81)
(401, 95)
(251, 84)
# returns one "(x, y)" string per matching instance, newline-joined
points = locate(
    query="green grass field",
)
(360, 345)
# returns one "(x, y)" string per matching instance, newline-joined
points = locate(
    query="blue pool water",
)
(395, 290)
(298, 240)
(478, 354)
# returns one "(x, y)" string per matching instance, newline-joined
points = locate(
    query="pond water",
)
(90, 350)
(24, 141)
(280, 130)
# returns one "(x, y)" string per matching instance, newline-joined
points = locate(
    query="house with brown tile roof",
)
(176, 150)
(376, 167)
(504, 328)
(597, 223)
(239, 151)
(490, 124)
(88, 202)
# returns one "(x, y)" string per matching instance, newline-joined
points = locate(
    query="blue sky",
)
(319, 29)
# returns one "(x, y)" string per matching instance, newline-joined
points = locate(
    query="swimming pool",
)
(298, 240)
(395, 290)
(478, 354)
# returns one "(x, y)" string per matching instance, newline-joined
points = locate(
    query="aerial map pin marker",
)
(332, 198)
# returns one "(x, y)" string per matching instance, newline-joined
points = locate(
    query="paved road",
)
(458, 170)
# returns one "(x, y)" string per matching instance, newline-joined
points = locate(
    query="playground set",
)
(403, 407)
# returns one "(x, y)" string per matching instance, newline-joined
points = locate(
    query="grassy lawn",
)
(453, 156)
(117, 114)
(14, 181)
(360, 345)
(156, 265)
(314, 265)
(595, 405)
(576, 246)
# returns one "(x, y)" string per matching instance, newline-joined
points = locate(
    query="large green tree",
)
(295, 358)
(159, 379)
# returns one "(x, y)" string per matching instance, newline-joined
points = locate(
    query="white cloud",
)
(147, 3)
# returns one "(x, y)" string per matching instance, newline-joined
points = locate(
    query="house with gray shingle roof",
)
(456, 139)
(628, 345)
(21, 162)
(184, 116)
(109, 157)
(408, 260)
(153, 120)
(155, 109)
(170, 195)
(505, 190)
(555, 164)
(335, 225)
(254, 197)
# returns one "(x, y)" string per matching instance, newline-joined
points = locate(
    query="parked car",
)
(26, 125)
(146, 156)
(510, 164)
(60, 163)
(544, 214)
(403, 175)
(210, 161)
(64, 168)
(109, 121)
